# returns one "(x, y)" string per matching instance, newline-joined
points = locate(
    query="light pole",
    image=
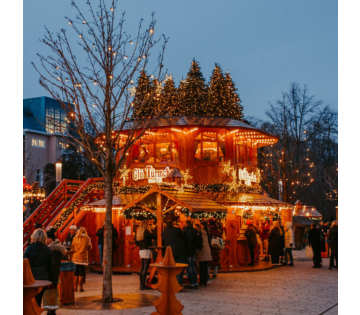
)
(58, 170)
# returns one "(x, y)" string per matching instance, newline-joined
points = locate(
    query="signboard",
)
(249, 177)
(128, 230)
(150, 173)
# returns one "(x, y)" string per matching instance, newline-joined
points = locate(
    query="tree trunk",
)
(107, 294)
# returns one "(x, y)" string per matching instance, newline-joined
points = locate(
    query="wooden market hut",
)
(198, 150)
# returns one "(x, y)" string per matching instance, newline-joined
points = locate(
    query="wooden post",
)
(159, 224)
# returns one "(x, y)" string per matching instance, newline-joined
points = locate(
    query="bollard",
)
(168, 285)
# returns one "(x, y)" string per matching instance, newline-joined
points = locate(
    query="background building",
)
(45, 127)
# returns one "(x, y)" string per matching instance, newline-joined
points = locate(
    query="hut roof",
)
(303, 221)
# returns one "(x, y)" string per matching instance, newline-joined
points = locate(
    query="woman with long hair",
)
(81, 245)
(144, 239)
(276, 243)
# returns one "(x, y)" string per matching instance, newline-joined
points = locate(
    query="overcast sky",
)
(265, 45)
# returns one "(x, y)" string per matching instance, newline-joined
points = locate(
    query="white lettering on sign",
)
(150, 173)
(249, 177)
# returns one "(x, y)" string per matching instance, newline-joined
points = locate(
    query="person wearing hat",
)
(250, 234)
(71, 235)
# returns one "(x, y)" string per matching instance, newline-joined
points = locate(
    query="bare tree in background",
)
(97, 81)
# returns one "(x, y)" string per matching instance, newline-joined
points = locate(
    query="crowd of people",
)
(198, 245)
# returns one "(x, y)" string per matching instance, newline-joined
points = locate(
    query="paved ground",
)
(286, 290)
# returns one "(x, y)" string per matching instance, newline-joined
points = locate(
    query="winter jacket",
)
(215, 253)
(100, 235)
(58, 251)
(190, 240)
(81, 245)
(276, 242)
(264, 231)
(333, 238)
(289, 235)
(146, 241)
(250, 234)
(41, 260)
(314, 239)
(173, 237)
(204, 254)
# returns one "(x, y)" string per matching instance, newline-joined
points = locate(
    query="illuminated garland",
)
(224, 187)
(203, 214)
(138, 215)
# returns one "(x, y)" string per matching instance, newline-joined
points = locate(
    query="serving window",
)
(210, 146)
(156, 147)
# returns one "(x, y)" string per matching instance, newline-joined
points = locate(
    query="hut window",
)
(240, 153)
(162, 147)
(210, 146)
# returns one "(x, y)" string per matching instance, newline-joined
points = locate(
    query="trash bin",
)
(66, 287)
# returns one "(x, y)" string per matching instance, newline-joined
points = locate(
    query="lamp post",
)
(58, 170)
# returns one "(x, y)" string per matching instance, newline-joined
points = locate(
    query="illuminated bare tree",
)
(95, 84)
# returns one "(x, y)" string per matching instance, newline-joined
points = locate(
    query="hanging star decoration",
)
(168, 77)
(187, 176)
(132, 91)
(124, 174)
(229, 169)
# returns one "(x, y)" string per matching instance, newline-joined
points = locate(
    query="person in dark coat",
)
(190, 235)
(58, 251)
(333, 239)
(144, 239)
(315, 243)
(250, 234)
(173, 237)
(100, 236)
(276, 243)
(71, 235)
(40, 259)
(213, 231)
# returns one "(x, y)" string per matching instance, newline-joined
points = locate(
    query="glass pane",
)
(197, 150)
(57, 114)
(63, 115)
(250, 158)
(221, 135)
(242, 154)
(163, 153)
(209, 151)
(147, 138)
(163, 137)
(146, 153)
(198, 137)
(175, 151)
(209, 136)
(222, 153)
(34, 142)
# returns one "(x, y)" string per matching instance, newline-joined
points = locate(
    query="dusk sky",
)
(265, 45)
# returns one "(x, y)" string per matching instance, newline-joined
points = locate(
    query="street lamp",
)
(58, 170)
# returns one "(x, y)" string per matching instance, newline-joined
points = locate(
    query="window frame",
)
(217, 141)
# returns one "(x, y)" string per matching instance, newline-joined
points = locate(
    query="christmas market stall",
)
(191, 167)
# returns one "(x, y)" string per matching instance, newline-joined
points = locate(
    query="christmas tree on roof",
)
(143, 99)
(169, 97)
(217, 94)
(193, 92)
(232, 106)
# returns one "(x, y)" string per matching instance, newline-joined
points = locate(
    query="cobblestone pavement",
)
(281, 291)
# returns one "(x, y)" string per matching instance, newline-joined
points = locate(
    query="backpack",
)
(198, 240)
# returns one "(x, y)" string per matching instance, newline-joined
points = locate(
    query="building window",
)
(160, 147)
(210, 146)
(55, 120)
(41, 143)
(34, 142)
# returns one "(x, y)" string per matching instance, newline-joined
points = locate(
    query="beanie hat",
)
(211, 222)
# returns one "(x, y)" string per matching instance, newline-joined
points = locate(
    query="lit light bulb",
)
(151, 31)
(109, 48)
(94, 105)
(114, 53)
(93, 45)
(84, 22)
(131, 42)
(95, 82)
(70, 23)
(80, 35)
(111, 9)
(125, 57)
(110, 76)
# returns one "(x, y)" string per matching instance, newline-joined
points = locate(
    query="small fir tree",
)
(169, 97)
(232, 106)
(193, 92)
(144, 89)
(217, 100)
